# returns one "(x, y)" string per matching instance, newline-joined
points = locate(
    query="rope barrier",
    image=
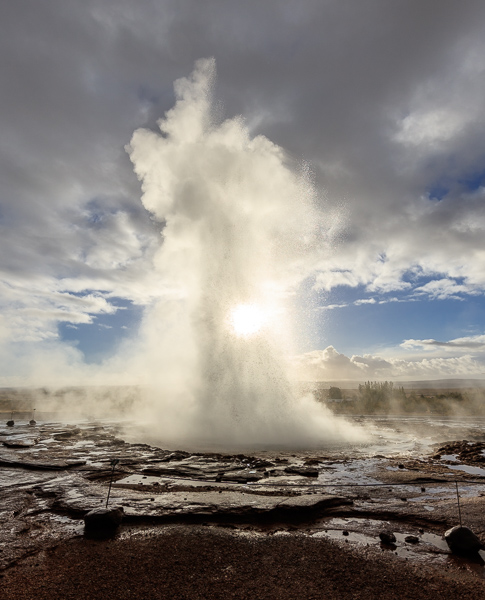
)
(328, 485)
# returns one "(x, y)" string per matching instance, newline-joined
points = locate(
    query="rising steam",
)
(238, 224)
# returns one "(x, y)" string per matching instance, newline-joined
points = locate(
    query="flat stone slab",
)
(41, 466)
(18, 442)
(235, 505)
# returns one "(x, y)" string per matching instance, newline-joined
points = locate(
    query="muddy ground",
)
(231, 519)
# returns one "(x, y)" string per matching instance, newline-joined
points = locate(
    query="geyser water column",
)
(238, 225)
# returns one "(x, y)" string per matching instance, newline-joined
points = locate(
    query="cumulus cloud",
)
(330, 365)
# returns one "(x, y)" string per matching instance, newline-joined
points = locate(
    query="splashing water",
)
(238, 228)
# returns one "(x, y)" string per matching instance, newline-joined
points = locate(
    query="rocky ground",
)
(214, 525)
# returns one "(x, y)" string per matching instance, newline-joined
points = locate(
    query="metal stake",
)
(113, 464)
(458, 501)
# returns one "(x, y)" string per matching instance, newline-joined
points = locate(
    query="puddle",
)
(468, 469)
(452, 457)
(429, 548)
(352, 537)
(141, 480)
(75, 526)
(351, 472)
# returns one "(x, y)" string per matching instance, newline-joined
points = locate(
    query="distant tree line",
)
(384, 397)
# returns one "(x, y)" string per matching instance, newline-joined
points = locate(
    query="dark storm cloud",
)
(383, 99)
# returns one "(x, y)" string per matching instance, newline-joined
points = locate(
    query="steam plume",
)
(238, 227)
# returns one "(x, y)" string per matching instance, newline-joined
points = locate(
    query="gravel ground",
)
(196, 562)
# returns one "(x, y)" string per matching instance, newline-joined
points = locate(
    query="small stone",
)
(387, 537)
(462, 540)
(345, 532)
(411, 539)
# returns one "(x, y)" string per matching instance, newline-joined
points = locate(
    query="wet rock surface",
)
(469, 453)
(53, 475)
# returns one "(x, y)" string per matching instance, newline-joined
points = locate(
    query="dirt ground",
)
(194, 562)
(281, 525)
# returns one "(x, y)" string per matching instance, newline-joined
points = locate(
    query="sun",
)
(247, 319)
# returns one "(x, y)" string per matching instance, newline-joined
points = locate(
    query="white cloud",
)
(365, 301)
(457, 345)
(445, 288)
(431, 127)
(330, 365)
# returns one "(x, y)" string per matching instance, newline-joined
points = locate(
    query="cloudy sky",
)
(381, 101)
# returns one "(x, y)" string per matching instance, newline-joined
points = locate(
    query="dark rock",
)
(100, 521)
(10, 423)
(311, 462)
(305, 471)
(240, 476)
(67, 434)
(387, 537)
(55, 465)
(462, 540)
(262, 463)
(345, 532)
(411, 539)
(177, 455)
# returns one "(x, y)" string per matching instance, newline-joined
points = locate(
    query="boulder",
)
(462, 540)
(101, 521)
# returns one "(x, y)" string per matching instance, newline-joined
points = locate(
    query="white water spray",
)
(238, 224)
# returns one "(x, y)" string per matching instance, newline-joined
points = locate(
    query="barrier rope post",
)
(113, 464)
(458, 501)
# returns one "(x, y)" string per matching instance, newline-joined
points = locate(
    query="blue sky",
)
(378, 104)
(104, 336)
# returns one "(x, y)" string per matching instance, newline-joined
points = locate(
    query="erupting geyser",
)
(238, 227)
